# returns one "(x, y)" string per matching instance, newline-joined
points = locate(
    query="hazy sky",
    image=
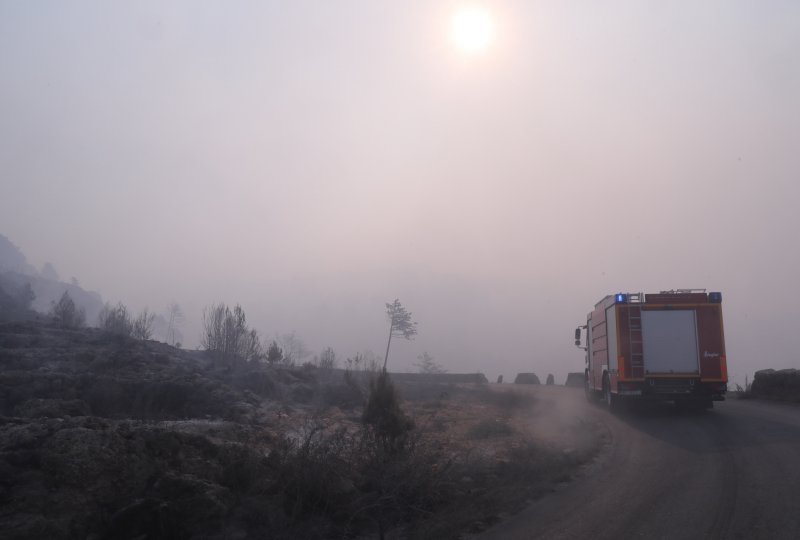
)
(314, 160)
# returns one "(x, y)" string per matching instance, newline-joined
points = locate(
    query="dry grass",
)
(475, 454)
(232, 453)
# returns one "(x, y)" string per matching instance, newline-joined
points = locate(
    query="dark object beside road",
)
(575, 380)
(526, 378)
(783, 384)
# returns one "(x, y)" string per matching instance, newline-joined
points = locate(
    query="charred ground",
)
(113, 437)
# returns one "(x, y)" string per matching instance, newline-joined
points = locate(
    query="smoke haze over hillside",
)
(314, 160)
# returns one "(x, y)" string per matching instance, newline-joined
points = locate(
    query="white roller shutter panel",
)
(670, 341)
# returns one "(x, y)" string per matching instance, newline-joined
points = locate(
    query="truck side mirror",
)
(578, 337)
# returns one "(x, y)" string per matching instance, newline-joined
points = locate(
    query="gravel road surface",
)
(733, 472)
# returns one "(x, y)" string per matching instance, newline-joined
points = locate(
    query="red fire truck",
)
(667, 346)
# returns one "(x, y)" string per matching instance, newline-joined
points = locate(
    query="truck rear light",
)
(621, 367)
(723, 366)
(715, 297)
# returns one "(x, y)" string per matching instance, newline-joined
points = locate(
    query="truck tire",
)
(587, 390)
(610, 399)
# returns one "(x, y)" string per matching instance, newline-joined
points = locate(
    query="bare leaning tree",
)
(382, 412)
(400, 325)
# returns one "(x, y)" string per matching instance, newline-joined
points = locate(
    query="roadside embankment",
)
(782, 384)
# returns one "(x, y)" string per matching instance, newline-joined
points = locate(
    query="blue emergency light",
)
(715, 297)
(622, 298)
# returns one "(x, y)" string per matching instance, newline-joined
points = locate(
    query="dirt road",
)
(733, 472)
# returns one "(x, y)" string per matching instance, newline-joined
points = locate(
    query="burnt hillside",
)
(109, 437)
(118, 438)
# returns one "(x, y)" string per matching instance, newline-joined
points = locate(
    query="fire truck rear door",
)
(670, 341)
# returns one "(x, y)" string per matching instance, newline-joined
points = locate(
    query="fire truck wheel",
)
(610, 399)
(588, 392)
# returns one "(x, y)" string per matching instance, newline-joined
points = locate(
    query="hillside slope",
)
(118, 438)
(109, 437)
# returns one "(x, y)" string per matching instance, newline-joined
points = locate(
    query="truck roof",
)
(674, 296)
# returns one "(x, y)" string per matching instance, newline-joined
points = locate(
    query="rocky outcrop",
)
(526, 378)
(782, 384)
(575, 380)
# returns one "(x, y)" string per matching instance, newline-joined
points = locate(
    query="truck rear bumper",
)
(672, 389)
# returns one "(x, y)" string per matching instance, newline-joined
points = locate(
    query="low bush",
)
(337, 484)
(115, 320)
(313, 476)
(507, 400)
(490, 428)
(344, 395)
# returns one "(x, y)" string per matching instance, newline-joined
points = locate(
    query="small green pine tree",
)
(383, 412)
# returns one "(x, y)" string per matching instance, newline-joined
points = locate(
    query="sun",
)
(471, 29)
